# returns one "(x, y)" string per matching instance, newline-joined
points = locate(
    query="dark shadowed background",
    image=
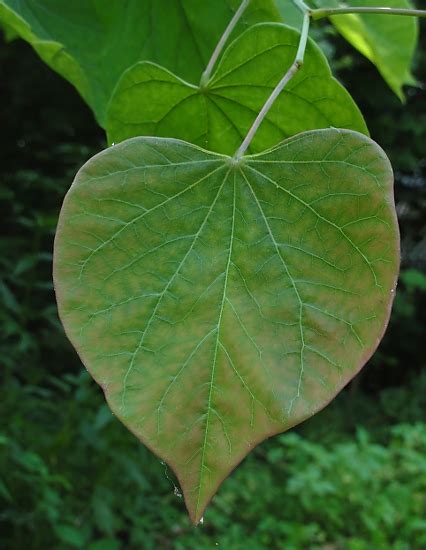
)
(71, 476)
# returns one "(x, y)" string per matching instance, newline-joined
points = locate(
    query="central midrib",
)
(206, 432)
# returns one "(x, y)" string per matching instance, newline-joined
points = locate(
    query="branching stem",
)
(327, 12)
(296, 65)
(205, 77)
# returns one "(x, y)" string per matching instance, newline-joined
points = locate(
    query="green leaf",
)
(91, 43)
(388, 41)
(4, 492)
(105, 544)
(414, 280)
(8, 32)
(218, 302)
(291, 15)
(70, 535)
(150, 100)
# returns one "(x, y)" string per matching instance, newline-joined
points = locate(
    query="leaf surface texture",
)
(218, 303)
(149, 100)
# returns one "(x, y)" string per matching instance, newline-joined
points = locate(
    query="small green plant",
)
(223, 288)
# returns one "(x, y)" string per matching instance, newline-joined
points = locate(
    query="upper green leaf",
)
(389, 41)
(150, 100)
(291, 15)
(8, 32)
(219, 302)
(91, 42)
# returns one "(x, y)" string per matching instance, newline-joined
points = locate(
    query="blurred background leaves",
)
(71, 476)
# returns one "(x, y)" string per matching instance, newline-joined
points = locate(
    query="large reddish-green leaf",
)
(219, 302)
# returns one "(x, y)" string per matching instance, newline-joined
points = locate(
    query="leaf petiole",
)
(294, 68)
(205, 77)
(320, 13)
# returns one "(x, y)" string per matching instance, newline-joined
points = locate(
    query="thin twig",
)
(205, 77)
(328, 12)
(298, 62)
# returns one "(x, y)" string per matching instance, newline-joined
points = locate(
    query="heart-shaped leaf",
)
(218, 302)
(91, 43)
(149, 100)
(387, 41)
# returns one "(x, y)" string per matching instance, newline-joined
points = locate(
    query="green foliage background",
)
(71, 476)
